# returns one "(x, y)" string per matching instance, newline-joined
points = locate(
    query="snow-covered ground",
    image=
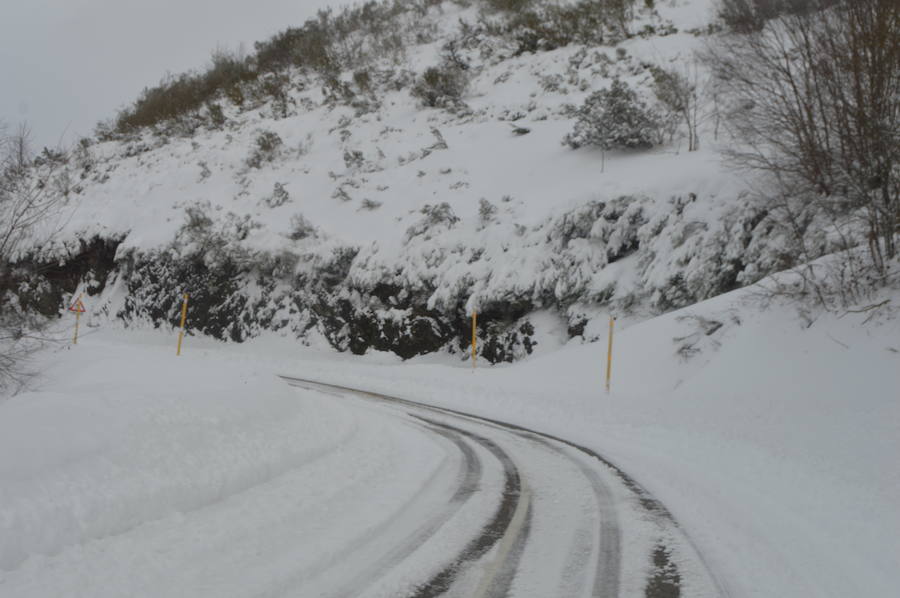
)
(776, 449)
(129, 471)
(771, 435)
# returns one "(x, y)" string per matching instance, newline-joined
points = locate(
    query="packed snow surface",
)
(129, 471)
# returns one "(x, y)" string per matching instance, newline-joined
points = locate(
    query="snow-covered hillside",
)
(376, 208)
(375, 222)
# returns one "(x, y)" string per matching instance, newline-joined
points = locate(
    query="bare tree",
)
(26, 199)
(27, 203)
(816, 107)
(682, 93)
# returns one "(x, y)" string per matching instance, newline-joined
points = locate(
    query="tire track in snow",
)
(508, 515)
(665, 578)
(469, 478)
(608, 566)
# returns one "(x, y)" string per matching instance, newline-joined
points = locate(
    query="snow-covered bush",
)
(301, 228)
(266, 148)
(441, 86)
(353, 159)
(486, 212)
(279, 196)
(615, 118)
(545, 26)
(275, 88)
(433, 216)
(215, 115)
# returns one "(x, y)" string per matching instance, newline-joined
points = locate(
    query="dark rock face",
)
(350, 319)
(157, 283)
(408, 304)
(401, 327)
(39, 286)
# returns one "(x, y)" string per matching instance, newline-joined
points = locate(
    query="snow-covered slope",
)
(375, 222)
(338, 208)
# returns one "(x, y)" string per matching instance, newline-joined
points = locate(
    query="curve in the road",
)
(496, 528)
(664, 580)
(469, 478)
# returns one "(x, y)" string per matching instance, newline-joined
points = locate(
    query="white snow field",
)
(128, 471)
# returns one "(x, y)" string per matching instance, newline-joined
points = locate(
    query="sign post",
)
(78, 308)
(609, 348)
(183, 320)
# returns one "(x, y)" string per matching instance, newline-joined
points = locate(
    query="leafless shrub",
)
(682, 93)
(28, 200)
(748, 16)
(814, 105)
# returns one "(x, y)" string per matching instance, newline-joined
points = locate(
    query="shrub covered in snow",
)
(440, 86)
(615, 118)
(265, 149)
(279, 196)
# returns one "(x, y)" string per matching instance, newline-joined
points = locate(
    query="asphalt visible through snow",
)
(564, 521)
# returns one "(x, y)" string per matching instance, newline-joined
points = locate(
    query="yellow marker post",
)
(183, 320)
(474, 337)
(77, 320)
(612, 321)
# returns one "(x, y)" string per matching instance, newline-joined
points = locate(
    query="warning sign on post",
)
(77, 307)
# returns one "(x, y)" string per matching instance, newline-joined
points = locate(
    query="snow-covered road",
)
(529, 515)
(128, 471)
(246, 486)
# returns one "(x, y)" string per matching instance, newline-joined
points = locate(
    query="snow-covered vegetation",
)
(374, 176)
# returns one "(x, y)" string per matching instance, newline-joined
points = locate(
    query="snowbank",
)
(118, 435)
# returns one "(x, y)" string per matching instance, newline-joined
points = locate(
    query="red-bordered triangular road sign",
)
(77, 307)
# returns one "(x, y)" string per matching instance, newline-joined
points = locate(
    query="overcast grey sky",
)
(67, 64)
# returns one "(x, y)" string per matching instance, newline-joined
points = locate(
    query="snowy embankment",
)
(131, 471)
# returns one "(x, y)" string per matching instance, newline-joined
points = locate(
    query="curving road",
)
(521, 514)
(343, 493)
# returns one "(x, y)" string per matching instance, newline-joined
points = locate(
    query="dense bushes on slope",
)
(419, 300)
(351, 40)
(325, 46)
(177, 96)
